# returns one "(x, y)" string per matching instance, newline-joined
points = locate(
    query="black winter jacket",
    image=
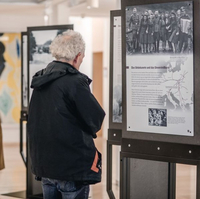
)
(63, 119)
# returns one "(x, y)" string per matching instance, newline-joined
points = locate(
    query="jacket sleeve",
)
(89, 110)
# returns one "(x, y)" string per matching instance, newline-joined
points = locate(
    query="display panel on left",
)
(10, 69)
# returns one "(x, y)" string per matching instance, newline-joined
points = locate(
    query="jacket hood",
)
(53, 71)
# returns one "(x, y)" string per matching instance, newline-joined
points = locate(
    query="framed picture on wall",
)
(39, 40)
(115, 99)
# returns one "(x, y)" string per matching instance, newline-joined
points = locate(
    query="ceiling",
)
(77, 7)
(70, 2)
(103, 10)
(21, 1)
(12, 9)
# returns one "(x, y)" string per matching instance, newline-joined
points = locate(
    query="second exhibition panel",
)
(39, 56)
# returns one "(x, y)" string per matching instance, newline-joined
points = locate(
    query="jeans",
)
(57, 189)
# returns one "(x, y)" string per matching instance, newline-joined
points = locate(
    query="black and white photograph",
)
(117, 71)
(24, 71)
(39, 42)
(165, 28)
(117, 104)
(157, 117)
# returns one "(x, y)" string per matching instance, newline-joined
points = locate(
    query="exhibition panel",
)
(115, 103)
(39, 40)
(115, 121)
(160, 72)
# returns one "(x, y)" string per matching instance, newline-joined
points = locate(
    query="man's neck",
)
(65, 61)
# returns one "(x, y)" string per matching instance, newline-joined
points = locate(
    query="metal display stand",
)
(24, 93)
(130, 152)
(114, 139)
(34, 189)
(115, 135)
(115, 128)
(170, 149)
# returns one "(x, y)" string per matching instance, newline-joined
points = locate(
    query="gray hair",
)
(67, 45)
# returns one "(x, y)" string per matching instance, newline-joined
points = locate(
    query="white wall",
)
(17, 20)
(84, 26)
(98, 34)
(100, 43)
(106, 74)
(13, 23)
(63, 13)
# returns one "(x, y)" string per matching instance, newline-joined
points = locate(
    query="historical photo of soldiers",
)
(157, 117)
(159, 28)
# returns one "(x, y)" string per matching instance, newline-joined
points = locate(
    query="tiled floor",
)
(13, 179)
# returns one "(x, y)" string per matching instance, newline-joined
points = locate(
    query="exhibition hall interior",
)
(142, 75)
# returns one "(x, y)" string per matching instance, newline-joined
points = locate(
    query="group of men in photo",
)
(155, 32)
(157, 117)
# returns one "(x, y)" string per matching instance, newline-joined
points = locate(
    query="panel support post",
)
(198, 181)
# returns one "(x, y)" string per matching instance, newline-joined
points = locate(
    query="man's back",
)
(62, 124)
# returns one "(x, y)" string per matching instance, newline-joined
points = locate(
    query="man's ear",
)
(76, 58)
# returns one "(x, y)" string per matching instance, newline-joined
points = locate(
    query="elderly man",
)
(64, 117)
